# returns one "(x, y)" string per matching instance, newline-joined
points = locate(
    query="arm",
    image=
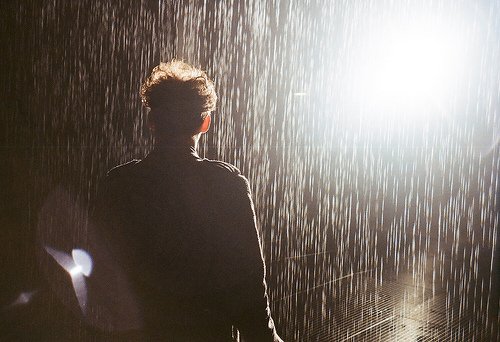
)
(250, 305)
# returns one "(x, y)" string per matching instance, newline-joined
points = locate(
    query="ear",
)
(206, 124)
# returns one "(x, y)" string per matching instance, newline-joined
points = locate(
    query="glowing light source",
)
(413, 65)
(409, 64)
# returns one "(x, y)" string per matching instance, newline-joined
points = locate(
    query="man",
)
(184, 227)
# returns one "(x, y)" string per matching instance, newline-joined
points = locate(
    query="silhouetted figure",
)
(183, 227)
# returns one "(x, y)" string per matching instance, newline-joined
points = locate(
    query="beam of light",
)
(78, 265)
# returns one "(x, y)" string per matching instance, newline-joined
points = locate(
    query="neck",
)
(187, 141)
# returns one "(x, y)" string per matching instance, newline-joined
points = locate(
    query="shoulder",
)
(227, 173)
(222, 167)
(124, 169)
(119, 181)
(228, 176)
(123, 174)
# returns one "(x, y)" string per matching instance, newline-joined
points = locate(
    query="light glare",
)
(406, 69)
(412, 65)
(83, 260)
(78, 265)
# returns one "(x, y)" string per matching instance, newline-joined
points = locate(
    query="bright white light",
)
(408, 64)
(75, 271)
(83, 260)
(78, 265)
(411, 65)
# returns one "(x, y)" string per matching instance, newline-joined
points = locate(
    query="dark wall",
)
(70, 109)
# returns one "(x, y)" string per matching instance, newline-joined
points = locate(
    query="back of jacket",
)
(184, 230)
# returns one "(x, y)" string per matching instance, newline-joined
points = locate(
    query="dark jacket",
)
(184, 230)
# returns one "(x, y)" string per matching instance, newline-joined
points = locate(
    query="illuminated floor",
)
(363, 307)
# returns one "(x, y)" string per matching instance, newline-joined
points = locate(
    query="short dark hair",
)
(179, 97)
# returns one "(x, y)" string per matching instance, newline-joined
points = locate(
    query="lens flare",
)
(78, 265)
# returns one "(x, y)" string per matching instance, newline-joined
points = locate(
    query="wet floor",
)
(391, 306)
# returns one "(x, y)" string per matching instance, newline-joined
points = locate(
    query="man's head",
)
(180, 97)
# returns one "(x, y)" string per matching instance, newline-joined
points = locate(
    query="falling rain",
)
(369, 132)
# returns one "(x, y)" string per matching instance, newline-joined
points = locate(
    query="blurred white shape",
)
(83, 260)
(75, 270)
(23, 299)
(78, 265)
